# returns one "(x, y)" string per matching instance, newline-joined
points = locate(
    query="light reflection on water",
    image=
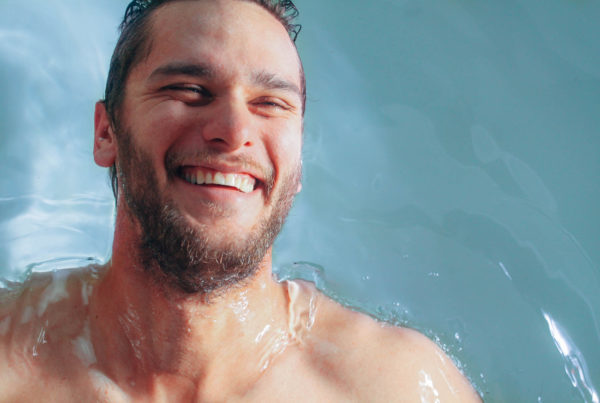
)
(53, 234)
(449, 177)
(575, 366)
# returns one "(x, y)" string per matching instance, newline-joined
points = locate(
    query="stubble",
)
(173, 249)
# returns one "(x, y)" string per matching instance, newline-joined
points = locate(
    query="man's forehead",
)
(213, 32)
(219, 19)
(209, 12)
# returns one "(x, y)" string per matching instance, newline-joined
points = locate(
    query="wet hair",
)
(134, 45)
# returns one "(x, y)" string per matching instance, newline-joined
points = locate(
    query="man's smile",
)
(204, 176)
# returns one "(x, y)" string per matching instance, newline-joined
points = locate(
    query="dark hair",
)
(134, 45)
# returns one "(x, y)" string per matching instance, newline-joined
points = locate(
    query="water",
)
(450, 171)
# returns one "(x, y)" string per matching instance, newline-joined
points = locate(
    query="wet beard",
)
(174, 250)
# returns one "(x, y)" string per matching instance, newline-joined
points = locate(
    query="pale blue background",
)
(451, 171)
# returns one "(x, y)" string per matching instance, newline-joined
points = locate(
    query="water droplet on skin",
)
(240, 307)
(301, 311)
(41, 339)
(55, 291)
(428, 391)
(86, 291)
(261, 334)
(83, 346)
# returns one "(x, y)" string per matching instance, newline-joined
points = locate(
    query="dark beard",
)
(180, 253)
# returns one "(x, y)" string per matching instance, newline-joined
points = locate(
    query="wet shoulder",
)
(54, 298)
(375, 361)
(41, 325)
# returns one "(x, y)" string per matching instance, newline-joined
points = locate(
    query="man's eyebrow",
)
(182, 69)
(273, 82)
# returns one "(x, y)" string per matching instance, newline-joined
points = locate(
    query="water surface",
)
(450, 171)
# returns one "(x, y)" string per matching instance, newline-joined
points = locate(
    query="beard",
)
(173, 249)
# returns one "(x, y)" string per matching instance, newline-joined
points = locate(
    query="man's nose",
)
(229, 128)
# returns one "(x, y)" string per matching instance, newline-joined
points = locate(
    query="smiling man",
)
(202, 130)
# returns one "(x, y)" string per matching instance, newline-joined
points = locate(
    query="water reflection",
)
(450, 171)
(575, 365)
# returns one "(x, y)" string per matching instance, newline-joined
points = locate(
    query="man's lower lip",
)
(218, 187)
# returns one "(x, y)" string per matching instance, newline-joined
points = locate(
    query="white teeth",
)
(199, 178)
(246, 187)
(229, 180)
(219, 179)
(243, 183)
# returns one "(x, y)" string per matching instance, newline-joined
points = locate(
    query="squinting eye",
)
(190, 94)
(272, 104)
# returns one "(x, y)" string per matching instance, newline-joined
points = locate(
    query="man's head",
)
(135, 43)
(205, 134)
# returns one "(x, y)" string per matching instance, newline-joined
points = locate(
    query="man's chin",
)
(193, 243)
(221, 231)
(197, 260)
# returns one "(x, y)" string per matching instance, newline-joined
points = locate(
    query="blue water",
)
(450, 171)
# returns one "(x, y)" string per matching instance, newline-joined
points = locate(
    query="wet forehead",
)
(235, 38)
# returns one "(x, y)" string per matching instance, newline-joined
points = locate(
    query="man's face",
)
(210, 139)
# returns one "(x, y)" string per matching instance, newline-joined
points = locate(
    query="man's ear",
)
(105, 142)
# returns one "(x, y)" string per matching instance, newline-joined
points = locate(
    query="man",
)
(202, 129)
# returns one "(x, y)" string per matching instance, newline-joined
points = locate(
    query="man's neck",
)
(143, 330)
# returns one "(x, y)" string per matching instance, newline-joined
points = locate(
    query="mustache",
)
(175, 159)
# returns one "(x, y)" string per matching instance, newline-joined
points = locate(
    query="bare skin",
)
(118, 333)
(266, 342)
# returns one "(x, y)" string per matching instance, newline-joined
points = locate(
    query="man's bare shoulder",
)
(382, 362)
(42, 327)
(46, 297)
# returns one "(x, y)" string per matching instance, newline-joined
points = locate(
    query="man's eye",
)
(272, 104)
(190, 94)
